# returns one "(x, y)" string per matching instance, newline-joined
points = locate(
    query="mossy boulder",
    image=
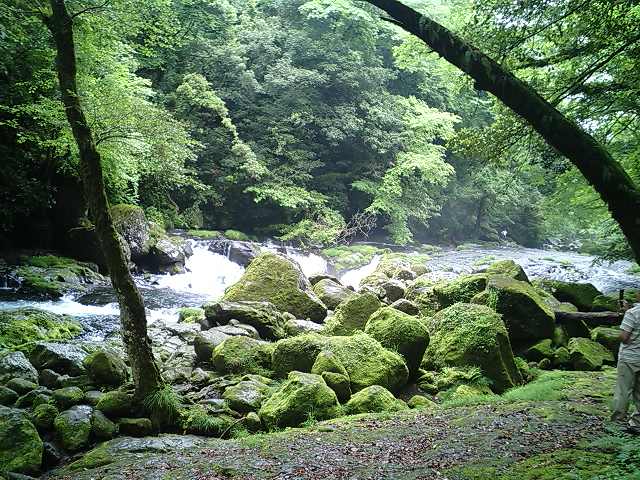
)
(420, 402)
(373, 399)
(73, 427)
(133, 226)
(302, 395)
(20, 445)
(581, 295)
(263, 316)
(539, 350)
(106, 368)
(366, 361)
(332, 293)
(7, 396)
(44, 415)
(466, 334)
(135, 427)
(608, 337)
(21, 328)
(526, 316)
(236, 235)
(115, 404)
(67, 397)
(16, 365)
(401, 333)
(21, 386)
(242, 355)
(508, 268)
(246, 396)
(352, 314)
(101, 427)
(574, 328)
(63, 358)
(447, 379)
(462, 289)
(205, 342)
(561, 358)
(406, 306)
(586, 354)
(338, 383)
(273, 278)
(604, 303)
(190, 315)
(327, 361)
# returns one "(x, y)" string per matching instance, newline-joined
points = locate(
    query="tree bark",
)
(592, 319)
(613, 184)
(146, 374)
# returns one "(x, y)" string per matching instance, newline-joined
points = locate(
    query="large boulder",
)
(462, 289)
(273, 278)
(165, 255)
(331, 293)
(64, 358)
(263, 316)
(400, 333)
(20, 445)
(246, 396)
(242, 355)
(508, 268)
(581, 295)
(467, 334)
(132, 225)
(366, 361)
(16, 365)
(205, 343)
(115, 403)
(22, 327)
(374, 399)
(301, 396)
(352, 314)
(525, 314)
(73, 427)
(608, 337)
(586, 354)
(106, 368)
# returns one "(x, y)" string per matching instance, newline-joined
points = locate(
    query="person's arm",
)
(626, 328)
(625, 337)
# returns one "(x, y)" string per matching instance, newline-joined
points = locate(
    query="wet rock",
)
(393, 290)
(406, 306)
(63, 358)
(246, 396)
(331, 293)
(133, 226)
(34, 398)
(106, 368)
(294, 327)
(243, 253)
(51, 456)
(44, 415)
(21, 328)
(242, 355)
(508, 268)
(68, 396)
(21, 386)
(7, 396)
(352, 314)
(373, 399)
(115, 404)
(135, 427)
(205, 343)
(80, 381)
(581, 295)
(48, 378)
(263, 316)
(22, 447)
(92, 397)
(16, 365)
(101, 427)
(586, 354)
(313, 279)
(73, 427)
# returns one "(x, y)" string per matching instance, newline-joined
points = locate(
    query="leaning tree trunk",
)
(146, 374)
(606, 175)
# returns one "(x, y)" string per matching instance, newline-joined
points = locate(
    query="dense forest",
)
(302, 119)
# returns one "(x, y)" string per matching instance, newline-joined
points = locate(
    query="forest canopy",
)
(298, 119)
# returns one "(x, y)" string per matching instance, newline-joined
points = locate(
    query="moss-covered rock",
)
(246, 396)
(63, 358)
(44, 415)
(338, 383)
(526, 316)
(352, 314)
(21, 386)
(604, 303)
(466, 391)
(236, 235)
(508, 268)
(106, 368)
(447, 379)
(67, 397)
(586, 354)
(73, 427)
(608, 337)
(203, 420)
(420, 402)
(579, 294)
(302, 395)
(467, 334)
(135, 427)
(327, 361)
(263, 316)
(190, 315)
(101, 427)
(332, 293)
(242, 355)
(115, 404)
(133, 226)
(462, 289)
(20, 445)
(273, 278)
(366, 361)
(406, 306)
(21, 328)
(574, 328)
(401, 333)
(561, 358)
(539, 350)
(7, 396)
(373, 399)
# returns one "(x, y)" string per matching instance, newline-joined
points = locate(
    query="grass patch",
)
(163, 405)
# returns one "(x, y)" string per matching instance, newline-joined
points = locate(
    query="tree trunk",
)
(606, 175)
(592, 319)
(146, 374)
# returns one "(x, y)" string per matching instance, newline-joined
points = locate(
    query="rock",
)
(81, 381)
(252, 422)
(135, 427)
(34, 398)
(51, 456)
(327, 361)
(293, 327)
(373, 399)
(242, 355)
(393, 290)
(544, 364)
(115, 404)
(22, 327)
(352, 314)
(404, 273)
(92, 397)
(402, 333)
(539, 350)
(206, 342)
(106, 369)
(365, 360)
(331, 293)
(44, 415)
(525, 314)
(263, 316)
(574, 328)
(561, 358)
(21, 386)
(73, 427)
(68, 396)
(420, 402)
(20, 445)
(313, 279)
(470, 391)
(246, 396)
(236, 328)
(581, 295)
(132, 225)
(301, 395)
(48, 378)
(7, 396)
(243, 253)
(508, 268)
(339, 383)
(406, 306)
(167, 255)
(16, 365)
(608, 337)
(273, 278)
(467, 334)
(190, 315)
(604, 303)
(59, 357)
(462, 289)
(586, 354)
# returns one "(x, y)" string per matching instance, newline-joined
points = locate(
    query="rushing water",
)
(209, 274)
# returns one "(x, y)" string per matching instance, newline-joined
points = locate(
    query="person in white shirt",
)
(628, 383)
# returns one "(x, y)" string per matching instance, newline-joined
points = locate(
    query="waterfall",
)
(352, 278)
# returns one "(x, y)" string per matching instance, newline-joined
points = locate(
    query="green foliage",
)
(163, 404)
